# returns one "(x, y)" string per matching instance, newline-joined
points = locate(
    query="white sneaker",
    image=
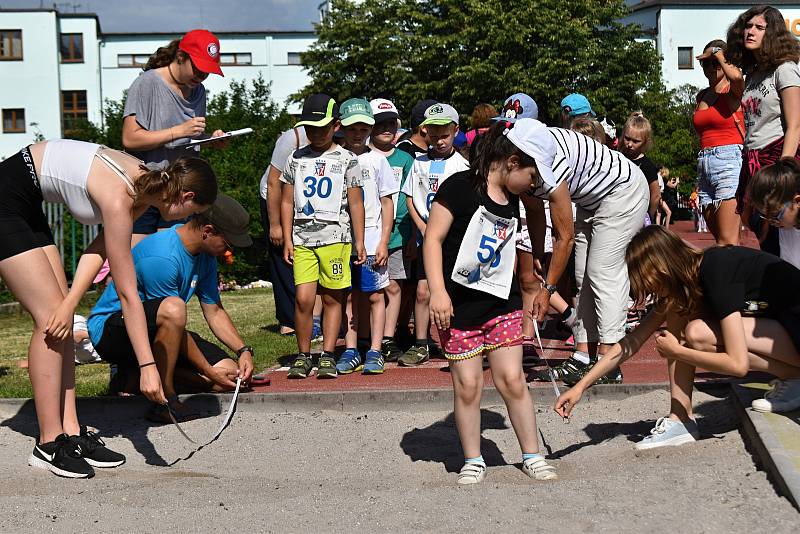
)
(472, 473)
(539, 469)
(783, 397)
(669, 433)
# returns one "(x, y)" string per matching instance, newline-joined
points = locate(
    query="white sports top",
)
(65, 172)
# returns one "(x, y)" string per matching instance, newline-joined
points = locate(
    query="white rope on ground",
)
(222, 426)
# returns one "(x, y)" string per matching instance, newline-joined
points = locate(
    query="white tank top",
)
(64, 175)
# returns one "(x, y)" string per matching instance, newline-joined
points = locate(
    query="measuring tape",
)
(222, 426)
(550, 371)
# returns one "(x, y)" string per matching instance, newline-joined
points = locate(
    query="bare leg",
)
(32, 279)
(393, 294)
(529, 284)
(171, 323)
(352, 316)
(375, 305)
(421, 312)
(728, 223)
(467, 378)
(303, 310)
(332, 305)
(508, 376)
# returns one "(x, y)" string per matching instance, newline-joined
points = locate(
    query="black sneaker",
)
(391, 352)
(300, 368)
(327, 366)
(94, 450)
(570, 371)
(62, 457)
(530, 357)
(613, 377)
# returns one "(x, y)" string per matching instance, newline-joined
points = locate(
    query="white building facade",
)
(679, 31)
(58, 68)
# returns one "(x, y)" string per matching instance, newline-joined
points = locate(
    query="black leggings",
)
(22, 219)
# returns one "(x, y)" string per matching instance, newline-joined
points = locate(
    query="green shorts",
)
(329, 265)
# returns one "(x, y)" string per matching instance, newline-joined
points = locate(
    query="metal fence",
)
(70, 229)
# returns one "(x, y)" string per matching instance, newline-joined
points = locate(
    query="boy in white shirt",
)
(430, 170)
(367, 309)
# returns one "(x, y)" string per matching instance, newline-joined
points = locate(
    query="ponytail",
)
(495, 147)
(183, 175)
(166, 55)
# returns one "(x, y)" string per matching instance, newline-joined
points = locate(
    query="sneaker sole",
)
(326, 376)
(408, 364)
(672, 442)
(105, 465)
(292, 375)
(349, 371)
(33, 461)
(372, 372)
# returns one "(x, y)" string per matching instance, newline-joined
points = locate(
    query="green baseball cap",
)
(356, 110)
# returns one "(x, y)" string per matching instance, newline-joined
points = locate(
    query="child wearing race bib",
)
(476, 302)
(399, 292)
(366, 309)
(316, 220)
(429, 172)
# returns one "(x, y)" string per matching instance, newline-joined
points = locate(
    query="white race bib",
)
(487, 254)
(426, 185)
(318, 189)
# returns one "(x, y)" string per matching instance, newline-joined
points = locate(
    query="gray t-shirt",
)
(761, 103)
(287, 142)
(158, 107)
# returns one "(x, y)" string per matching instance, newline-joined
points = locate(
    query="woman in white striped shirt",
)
(611, 196)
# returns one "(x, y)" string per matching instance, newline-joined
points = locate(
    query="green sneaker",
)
(327, 366)
(391, 352)
(301, 367)
(416, 355)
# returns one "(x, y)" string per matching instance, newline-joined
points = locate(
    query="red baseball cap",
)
(203, 47)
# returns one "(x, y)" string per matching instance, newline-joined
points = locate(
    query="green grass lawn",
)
(252, 311)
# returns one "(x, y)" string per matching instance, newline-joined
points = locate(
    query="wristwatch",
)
(550, 288)
(246, 348)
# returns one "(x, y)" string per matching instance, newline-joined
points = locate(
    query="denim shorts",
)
(718, 173)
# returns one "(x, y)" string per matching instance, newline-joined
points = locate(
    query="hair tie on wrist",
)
(147, 364)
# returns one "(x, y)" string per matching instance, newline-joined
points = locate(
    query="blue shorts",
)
(718, 173)
(368, 277)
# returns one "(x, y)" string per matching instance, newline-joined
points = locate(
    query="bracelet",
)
(246, 348)
(142, 366)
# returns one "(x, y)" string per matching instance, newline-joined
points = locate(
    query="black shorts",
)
(115, 346)
(22, 219)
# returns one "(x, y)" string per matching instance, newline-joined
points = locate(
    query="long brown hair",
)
(494, 147)
(166, 55)
(777, 47)
(775, 185)
(183, 175)
(663, 266)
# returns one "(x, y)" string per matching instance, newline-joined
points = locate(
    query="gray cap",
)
(231, 219)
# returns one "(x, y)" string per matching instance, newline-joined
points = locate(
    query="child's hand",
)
(441, 309)
(382, 255)
(567, 401)
(288, 253)
(667, 345)
(361, 254)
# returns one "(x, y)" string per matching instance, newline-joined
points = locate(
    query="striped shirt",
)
(592, 171)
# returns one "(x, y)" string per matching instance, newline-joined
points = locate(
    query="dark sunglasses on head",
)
(777, 219)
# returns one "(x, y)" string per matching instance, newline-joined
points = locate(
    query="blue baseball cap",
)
(576, 104)
(518, 106)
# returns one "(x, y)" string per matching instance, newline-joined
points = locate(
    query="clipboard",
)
(226, 135)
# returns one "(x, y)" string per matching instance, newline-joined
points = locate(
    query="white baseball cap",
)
(439, 114)
(535, 139)
(383, 109)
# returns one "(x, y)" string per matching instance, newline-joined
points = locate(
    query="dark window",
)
(132, 60)
(73, 108)
(293, 58)
(10, 45)
(685, 57)
(238, 58)
(71, 48)
(14, 120)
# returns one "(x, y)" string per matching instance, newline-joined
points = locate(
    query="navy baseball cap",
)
(418, 112)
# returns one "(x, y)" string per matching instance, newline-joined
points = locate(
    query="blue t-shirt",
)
(164, 268)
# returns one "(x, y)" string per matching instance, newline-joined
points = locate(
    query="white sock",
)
(581, 356)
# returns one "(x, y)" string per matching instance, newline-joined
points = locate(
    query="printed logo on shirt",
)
(336, 168)
(433, 184)
(501, 230)
(319, 168)
(464, 272)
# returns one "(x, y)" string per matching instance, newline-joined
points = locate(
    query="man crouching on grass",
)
(171, 266)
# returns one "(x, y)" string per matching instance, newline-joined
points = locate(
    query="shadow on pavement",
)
(119, 417)
(439, 442)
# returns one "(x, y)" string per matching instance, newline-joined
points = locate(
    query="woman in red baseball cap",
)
(166, 106)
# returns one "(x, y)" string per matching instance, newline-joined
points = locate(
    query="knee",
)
(172, 311)
(392, 290)
(469, 389)
(697, 334)
(511, 383)
(422, 293)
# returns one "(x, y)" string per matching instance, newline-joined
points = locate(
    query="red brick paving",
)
(646, 367)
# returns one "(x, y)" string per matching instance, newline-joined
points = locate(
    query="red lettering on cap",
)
(384, 105)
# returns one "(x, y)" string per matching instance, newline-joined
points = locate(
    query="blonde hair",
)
(590, 128)
(663, 266)
(184, 174)
(637, 121)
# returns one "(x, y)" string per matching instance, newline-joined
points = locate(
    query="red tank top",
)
(717, 126)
